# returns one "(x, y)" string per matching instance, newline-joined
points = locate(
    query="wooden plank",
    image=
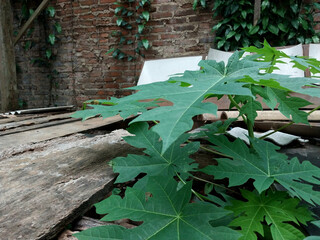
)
(44, 191)
(262, 115)
(47, 133)
(38, 126)
(8, 79)
(34, 121)
(36, 13)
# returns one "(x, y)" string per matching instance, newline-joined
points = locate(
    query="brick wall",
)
(84, 70)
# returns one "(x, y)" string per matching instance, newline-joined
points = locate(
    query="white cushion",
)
(161, 70)
(286, 69)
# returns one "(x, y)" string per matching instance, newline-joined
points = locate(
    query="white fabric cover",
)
(286, 69)
(161, 70)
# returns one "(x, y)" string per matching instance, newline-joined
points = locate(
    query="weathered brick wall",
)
(85, 71)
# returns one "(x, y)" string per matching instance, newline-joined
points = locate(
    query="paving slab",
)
(44, 189)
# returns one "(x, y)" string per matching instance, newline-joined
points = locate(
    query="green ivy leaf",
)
(237, 36)
(244, 14)
(221, 43)
(273, 29)
(295, 23)
(52, 39)
(315, 39)
(118, 10)
(174, 160)
(283, 27)
(230, 34)
(145, 43)
(27, 45)
(264, 166)
(48, 53)
(276, 208)
(110, 50)
(58, 27)
(254, 30)
(51, 11)
(140, 28)
(165, 212)
(317, 5)
(146, 15)
(119, 21)
(265, 22)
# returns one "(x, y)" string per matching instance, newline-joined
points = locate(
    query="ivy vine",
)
(132, 17)
(281, 23)
(51, 34)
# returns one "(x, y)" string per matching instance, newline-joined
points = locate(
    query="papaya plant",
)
(250, 205)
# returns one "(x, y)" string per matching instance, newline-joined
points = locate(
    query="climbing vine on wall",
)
(281, 23)
(52, 29)
(131, 17)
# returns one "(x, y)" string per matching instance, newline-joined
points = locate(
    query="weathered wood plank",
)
(42, 192)
(37, 126)
(42, 134)
(33, 121)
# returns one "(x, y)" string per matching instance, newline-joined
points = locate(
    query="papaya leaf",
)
(265, 165)
(174, 160)
(289, 106)
(214, 78)
(165, 212)
(276, 208)
(112, 232)
(292, 84)
(213, 128)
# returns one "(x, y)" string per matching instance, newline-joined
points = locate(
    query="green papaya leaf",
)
(165, 212)
(213, 128)
(289, 106)
(264, 166)
(174, 160)
(214, 78)
(276, 208)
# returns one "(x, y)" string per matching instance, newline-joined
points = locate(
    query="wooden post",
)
(8, 78)
(257, 11)
(36, 13)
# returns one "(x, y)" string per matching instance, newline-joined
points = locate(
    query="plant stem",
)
(215, 184)
(237, 107)
(287, 125)
(250, 128)
(215, 152)
(198, 195)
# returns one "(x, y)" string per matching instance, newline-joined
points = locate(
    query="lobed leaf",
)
(165, 212)
(275, 208)
(174, 160)
(264, 165)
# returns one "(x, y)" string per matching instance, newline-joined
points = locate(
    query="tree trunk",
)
(8, 79)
